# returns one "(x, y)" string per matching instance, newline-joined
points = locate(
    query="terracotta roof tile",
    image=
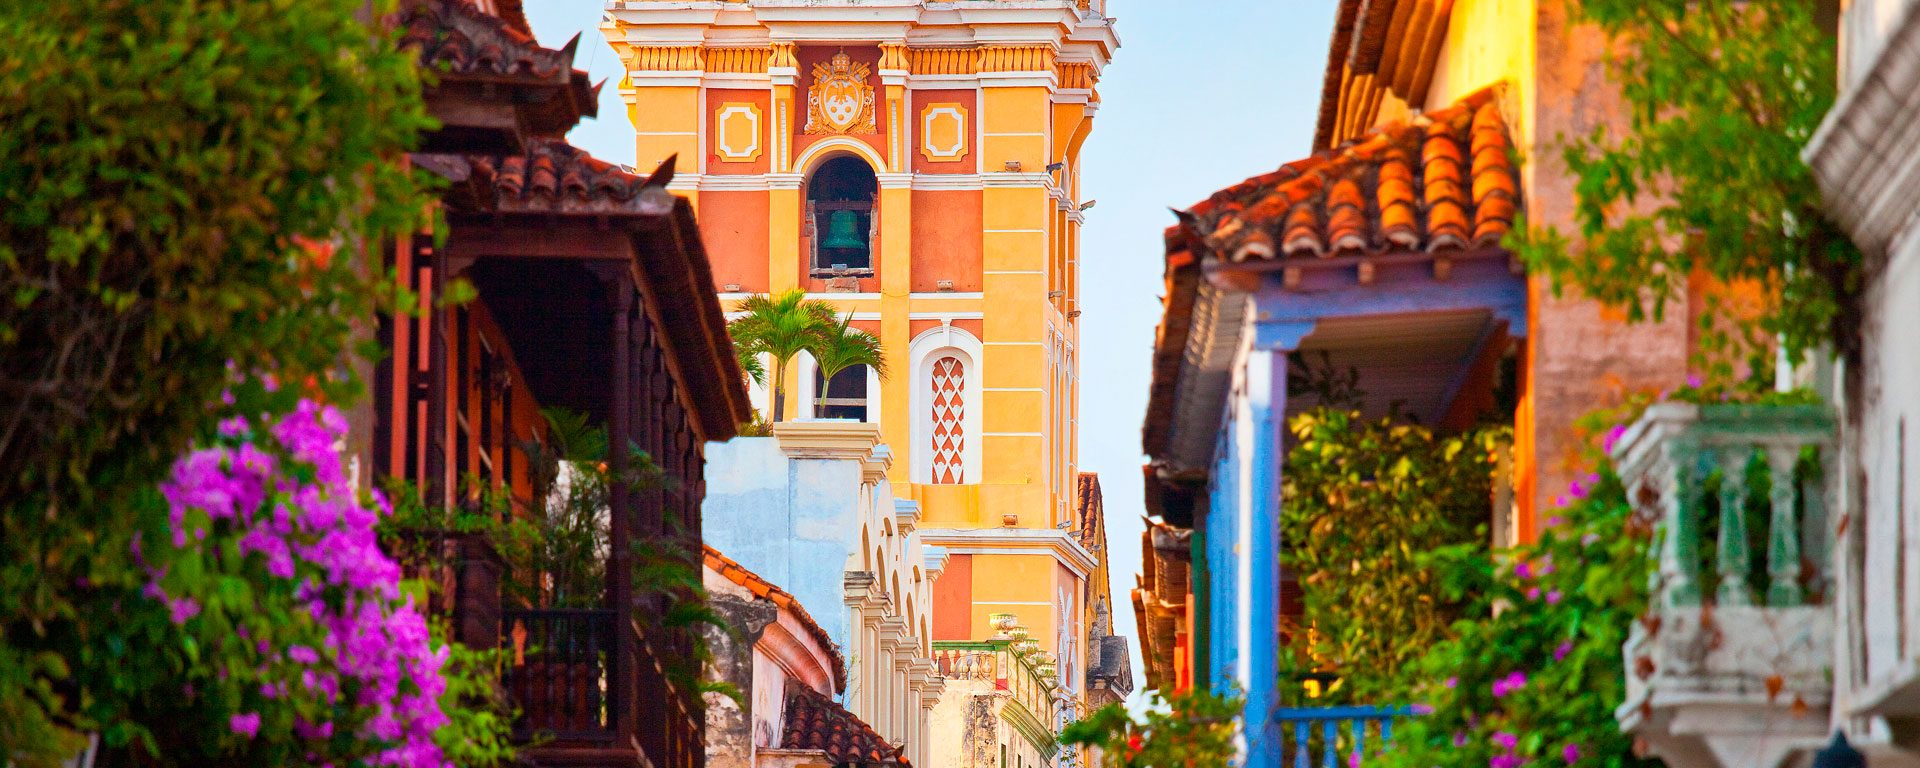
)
(458, 35)
(1372, 195)
(760, 587)
(816, 722)
(556, 177)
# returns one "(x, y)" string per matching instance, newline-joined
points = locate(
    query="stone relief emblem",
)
(840, 100)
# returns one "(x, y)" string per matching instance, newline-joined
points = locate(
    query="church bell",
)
(843, 231)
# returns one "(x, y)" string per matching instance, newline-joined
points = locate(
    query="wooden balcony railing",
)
(563, 672)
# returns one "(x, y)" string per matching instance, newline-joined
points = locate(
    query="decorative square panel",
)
(736, 132)
(943, 132)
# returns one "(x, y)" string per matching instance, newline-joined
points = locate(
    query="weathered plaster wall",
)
(1582, 356)
(730, 730)
(795, 522)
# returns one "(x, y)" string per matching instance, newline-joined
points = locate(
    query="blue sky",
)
(1201, 94)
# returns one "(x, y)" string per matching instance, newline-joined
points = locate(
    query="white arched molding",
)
(930, 346)
(819, 151)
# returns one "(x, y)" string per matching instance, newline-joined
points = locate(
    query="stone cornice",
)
(1061, 546)
(1866, 156)
(828, 439)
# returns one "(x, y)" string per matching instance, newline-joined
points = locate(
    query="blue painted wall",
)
(794, 522)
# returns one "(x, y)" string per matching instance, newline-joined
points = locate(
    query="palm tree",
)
(843, 347)
(780, 326)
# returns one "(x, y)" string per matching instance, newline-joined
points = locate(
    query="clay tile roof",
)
(760, 587)
(1444, 181)
(816, 722)
(458, 35)
(557, 177)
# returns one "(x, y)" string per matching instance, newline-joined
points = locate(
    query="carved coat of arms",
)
(840, 100)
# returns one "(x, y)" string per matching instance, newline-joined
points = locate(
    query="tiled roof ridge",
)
(554, 169)
(760, 587)
(1442, 180)
(468, 40)
(814, 721)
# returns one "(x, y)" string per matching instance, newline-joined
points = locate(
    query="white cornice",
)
(1866, 155)
(1063, 548)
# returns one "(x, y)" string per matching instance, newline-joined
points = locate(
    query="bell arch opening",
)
(841, 194)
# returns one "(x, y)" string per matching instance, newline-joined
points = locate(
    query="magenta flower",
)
(1570, 753)
(1452, 681)
(1353, 760)
(1533, 593)
(1523, 569)
(1560, 653)
(246, 724)
(1509, 684)
(1459, 738)
(1613, 437)
(320, 535)
(1507, 741)
(1553, 597)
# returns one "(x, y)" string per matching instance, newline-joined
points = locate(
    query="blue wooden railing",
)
(1333, 737)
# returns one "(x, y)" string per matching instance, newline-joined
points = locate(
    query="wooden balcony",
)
(1733, 664)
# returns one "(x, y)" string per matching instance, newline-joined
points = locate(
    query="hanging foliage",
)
(1705, 176)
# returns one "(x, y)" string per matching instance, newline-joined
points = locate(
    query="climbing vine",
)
(1705, 177)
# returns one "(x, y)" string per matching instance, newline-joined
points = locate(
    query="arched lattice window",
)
(948, 401)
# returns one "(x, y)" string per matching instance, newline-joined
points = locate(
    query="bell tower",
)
(916, 164)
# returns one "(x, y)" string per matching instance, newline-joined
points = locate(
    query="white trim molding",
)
(1866, 155)
(1058, 544)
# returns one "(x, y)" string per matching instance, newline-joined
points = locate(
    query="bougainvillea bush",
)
(282, 628)
(184, 190)
(1532, 675)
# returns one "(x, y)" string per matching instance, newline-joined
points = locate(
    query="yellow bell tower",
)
(917, 165)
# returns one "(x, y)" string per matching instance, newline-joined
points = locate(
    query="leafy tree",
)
(780, 327)
(1706, 178)
(175, 181)
(1376, 514)
(1191, 729)
(841, 347)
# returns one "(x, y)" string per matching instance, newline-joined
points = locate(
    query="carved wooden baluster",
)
(1783, 534)
(1735, 557)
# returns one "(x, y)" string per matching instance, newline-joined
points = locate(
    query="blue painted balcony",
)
(1333, 737)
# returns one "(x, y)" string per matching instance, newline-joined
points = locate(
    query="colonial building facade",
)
(917, 165)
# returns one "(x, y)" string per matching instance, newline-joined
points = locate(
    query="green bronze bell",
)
(843, 231)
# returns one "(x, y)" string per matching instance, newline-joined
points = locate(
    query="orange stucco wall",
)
(946, 239)
(734, 227)
(953, 600)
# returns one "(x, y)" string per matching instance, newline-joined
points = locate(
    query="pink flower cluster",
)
(1514, 681)
(322, 535)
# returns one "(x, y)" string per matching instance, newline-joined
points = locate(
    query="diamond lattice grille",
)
(949, 413)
